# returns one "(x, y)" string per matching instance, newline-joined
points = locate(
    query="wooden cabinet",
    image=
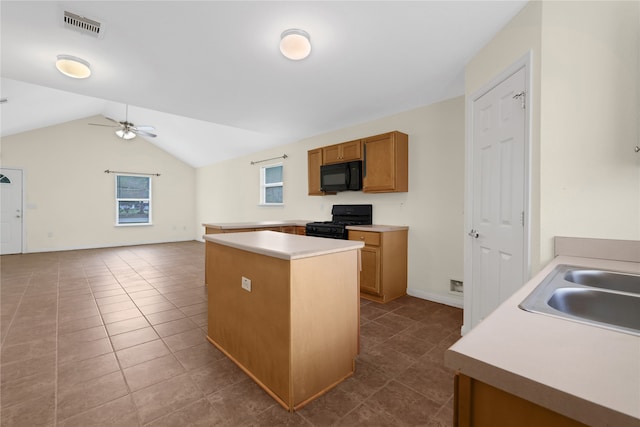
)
(293, 229)
(385, 166)
(210, 230)
(343, 152)
(478, 404)
(385, 163)
(384, 264)
(314, 161)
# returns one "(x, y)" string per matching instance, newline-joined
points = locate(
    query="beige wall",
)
(433, 207)
(70, 200)
(585, 177)
(590, 175)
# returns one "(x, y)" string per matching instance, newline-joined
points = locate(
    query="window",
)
(271, 185)
(133, 200)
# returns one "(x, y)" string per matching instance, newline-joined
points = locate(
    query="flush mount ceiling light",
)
(72, 66)
(295, 44)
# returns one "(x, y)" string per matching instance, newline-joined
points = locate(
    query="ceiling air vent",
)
(82, 24)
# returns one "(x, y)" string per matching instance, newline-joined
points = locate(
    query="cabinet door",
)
(351, 151)
(314, 161)
(385, 163)
(331, 154)
(238, 230)
(477, 404)
(370, 274)
(343, 152)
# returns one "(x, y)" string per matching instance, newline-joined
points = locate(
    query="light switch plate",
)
(246, 284)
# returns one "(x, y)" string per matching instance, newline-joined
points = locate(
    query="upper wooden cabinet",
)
(343, 152)
(314, 161)
(386, 163)
(384, 168)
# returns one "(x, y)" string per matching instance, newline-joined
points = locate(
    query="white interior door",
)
(497, 234)
(10, 211)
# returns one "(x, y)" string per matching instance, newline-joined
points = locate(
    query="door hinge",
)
(522, 96)
(522, 218)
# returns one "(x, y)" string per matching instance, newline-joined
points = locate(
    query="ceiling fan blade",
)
(100, 124)
(114, 121)
(143, 127)
(143, 133)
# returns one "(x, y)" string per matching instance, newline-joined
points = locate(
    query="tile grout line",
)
(115, 354)
(55, 374)
(17, 308)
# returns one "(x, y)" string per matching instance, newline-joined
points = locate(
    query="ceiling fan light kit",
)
(125, 134)
(295, 44)
(73, 66)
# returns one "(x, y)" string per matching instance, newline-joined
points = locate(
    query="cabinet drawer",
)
(370, 238)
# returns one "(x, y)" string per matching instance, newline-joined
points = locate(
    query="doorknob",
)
(473, 233)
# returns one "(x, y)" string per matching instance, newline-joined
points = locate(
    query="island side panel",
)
(324, 322)
(251, 327)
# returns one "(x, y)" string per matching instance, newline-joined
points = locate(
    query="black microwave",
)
(345, 176)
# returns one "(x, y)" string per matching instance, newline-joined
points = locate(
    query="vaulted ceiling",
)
(209, 77)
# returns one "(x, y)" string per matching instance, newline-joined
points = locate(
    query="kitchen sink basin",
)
(595, 297)
(605, 280)
(596, 305)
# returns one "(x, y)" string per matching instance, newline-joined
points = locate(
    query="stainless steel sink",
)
(605, 280)
(595, 297)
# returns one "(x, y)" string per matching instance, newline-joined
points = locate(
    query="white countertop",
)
(257, 224)
(587, 373)
(377, 228)
(283, 245)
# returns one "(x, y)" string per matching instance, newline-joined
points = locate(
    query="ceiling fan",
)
(127, 129)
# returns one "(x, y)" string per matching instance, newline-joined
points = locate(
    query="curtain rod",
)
(284, 156)
(131, 173)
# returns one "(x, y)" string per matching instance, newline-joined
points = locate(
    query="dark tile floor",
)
(116, 336)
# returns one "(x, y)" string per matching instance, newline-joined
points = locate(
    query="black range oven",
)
(342, 216)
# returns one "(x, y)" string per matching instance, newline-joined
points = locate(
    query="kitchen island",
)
(534, 369)
(285, 309)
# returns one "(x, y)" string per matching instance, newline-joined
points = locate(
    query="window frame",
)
(264, 185)
(137, 199)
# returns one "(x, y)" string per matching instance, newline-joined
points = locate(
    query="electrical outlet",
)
(246, 284)
(456, 286)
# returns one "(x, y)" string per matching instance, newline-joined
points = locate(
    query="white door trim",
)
(524, 62)
(23, 234)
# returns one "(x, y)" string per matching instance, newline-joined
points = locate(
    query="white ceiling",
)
(209, 76)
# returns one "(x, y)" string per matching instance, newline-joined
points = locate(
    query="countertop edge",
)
(472, 357)
(256, 224)
(283, 246)
(567, 404)
(378, 228)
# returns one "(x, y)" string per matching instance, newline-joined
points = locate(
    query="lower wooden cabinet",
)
(384, 264)
(477, 404)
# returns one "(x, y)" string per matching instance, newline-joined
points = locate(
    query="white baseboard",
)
(453, 301)
(113, 245)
